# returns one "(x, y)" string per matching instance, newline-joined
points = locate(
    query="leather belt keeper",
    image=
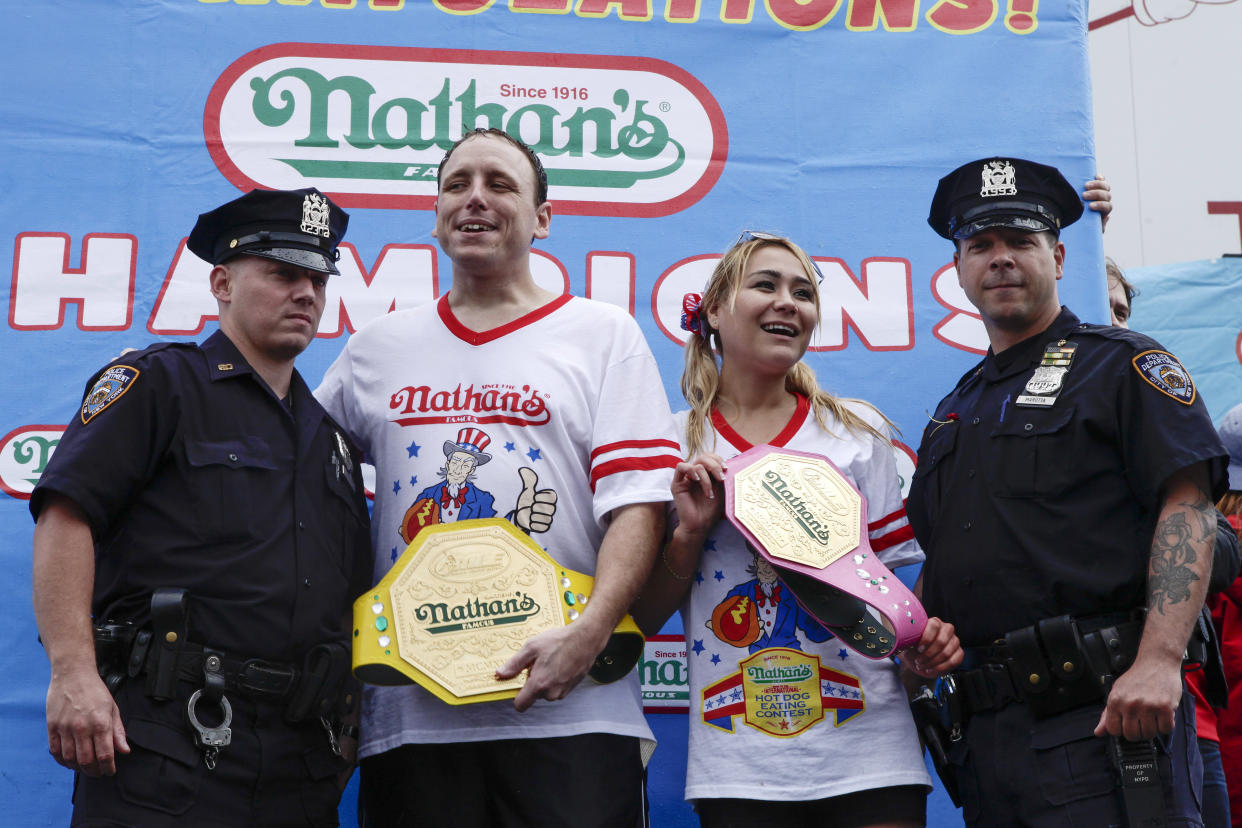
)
(461, 600)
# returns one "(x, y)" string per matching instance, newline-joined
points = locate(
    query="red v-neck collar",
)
(791, 428)
(481, 337)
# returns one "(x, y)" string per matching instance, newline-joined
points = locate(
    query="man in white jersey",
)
(566, 393)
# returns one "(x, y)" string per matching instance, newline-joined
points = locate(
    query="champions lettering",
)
(768, 675)
(796, 506)
(956, 17)
(489, 404)
(434, 122)
(475, 613)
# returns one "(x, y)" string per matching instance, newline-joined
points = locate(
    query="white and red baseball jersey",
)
(779, 708)
(458, 424)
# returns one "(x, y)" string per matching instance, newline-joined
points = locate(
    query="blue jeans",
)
(1215, 791)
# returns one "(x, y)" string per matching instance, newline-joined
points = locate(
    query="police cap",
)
(301, 227)
(1230, 431)
(1003, 192)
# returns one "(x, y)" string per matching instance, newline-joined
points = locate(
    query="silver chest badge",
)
(342, 461)
(1046, 383)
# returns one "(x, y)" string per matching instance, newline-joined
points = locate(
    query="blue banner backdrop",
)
(669, 126)
(1191, 309)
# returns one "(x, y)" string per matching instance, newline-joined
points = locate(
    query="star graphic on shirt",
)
(396, 486)
(414, 480)
(829, 691)
(784, 724)
(510, 447)
(394, 554)
(533, 454)
(698, 577)
(413, 448)
(709, 545)
(698, 646)
(842, 654)
(708, 704)
(737, 694)
(719, 576)
(715, 659)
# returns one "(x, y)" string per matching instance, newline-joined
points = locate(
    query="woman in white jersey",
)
(837, 747)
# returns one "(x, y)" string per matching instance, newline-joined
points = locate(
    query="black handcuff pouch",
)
(1048, 660)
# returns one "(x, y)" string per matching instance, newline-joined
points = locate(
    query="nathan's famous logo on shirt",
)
(24, 454)
(491, 403)
(782, 692)
(441, 617)
(369, 125)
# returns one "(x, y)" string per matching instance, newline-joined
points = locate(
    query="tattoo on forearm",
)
(1173, 550)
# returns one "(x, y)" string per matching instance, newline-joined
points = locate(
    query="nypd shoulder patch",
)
(110, 387)
(1164, 373)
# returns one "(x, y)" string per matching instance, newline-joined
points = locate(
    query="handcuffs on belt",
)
(314, 690)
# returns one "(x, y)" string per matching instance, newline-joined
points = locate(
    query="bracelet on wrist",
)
(669, 567)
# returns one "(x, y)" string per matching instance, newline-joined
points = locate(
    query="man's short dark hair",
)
(1115, 275)
(541, 176)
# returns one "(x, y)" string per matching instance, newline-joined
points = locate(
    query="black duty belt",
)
(1055, 665)
(129, 650)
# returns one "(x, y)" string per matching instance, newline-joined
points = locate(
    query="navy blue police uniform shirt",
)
(192, 473)
(1027, 513)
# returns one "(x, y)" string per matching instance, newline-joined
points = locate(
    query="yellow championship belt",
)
(461, 600)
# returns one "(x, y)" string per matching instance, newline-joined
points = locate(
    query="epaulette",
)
(1136, 340)
(974, 369)
(134, 356)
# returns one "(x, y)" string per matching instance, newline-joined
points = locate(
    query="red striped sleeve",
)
(635, 444)
(624, 464)
(887, 519)
(893, 538)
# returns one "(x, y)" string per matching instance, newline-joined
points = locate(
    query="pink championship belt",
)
(809, 522)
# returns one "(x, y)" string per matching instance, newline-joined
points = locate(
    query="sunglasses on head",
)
(762, 235)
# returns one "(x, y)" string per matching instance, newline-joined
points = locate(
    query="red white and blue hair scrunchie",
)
(691, 321)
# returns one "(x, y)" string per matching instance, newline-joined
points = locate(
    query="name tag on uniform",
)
(1045, 385)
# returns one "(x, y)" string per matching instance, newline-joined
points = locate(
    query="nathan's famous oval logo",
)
(471, 564)
(24, 453)
(622, 136)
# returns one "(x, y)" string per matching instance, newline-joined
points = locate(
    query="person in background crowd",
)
(568, 432)
(1225, 564)
(1099, 197)
(1120, 294)
(1226, 608)
(1063, 492)
(747, 385)
(201, 535)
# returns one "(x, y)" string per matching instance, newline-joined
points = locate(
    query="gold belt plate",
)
(462, 599)
(799, 508)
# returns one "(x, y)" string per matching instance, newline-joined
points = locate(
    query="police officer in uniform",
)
(201, 533)
(1064, 496)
